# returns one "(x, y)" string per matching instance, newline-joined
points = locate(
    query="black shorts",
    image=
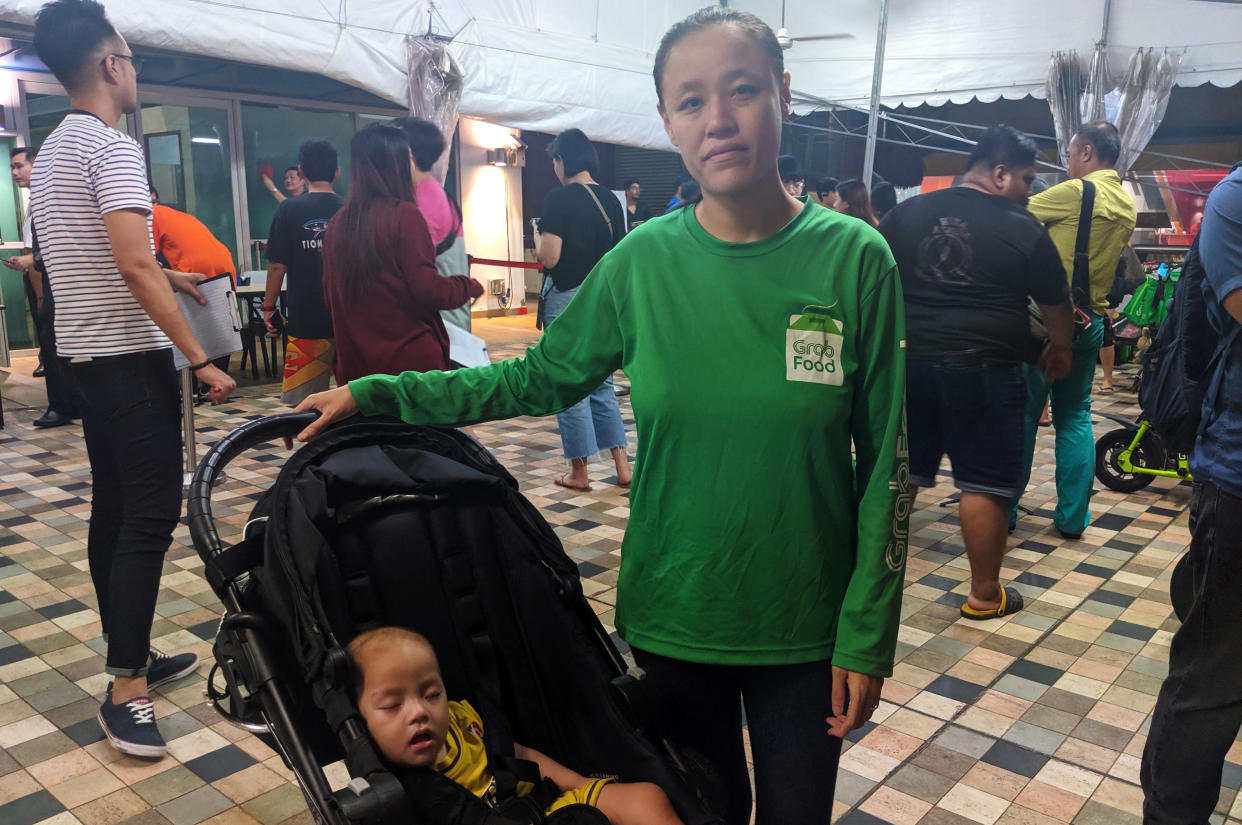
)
(973, 411)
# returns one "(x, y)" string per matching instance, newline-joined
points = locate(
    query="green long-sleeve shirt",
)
(752, 536)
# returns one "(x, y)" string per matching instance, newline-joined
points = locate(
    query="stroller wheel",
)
(1108, 450)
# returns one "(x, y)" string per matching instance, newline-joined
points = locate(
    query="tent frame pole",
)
(877, 78)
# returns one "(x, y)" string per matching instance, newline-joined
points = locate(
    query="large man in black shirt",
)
(295, 247)
(970, 257)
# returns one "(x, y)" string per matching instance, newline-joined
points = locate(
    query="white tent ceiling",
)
(552, 64)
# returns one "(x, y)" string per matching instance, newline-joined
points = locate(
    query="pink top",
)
(434, 205)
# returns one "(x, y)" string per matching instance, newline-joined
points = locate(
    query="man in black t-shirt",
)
(636, 210)
(970, 259)
(295, 247)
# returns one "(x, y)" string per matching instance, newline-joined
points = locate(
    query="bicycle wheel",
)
(1107, 451)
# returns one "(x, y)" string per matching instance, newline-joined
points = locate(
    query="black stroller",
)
(377, 522)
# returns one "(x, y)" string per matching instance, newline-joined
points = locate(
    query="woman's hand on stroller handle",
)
(332, 406)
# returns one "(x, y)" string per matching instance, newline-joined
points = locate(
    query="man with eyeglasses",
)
(117, 320)
(61, 395)
(792, 177)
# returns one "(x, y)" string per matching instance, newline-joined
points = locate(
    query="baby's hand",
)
(562, 777)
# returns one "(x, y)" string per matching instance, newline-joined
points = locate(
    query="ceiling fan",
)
(783, 37)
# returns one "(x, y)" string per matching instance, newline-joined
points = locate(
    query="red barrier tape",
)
(514, 264)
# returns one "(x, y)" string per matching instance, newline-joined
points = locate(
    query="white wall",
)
(491, 205)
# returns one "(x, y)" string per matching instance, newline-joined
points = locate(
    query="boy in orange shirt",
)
(186, 243)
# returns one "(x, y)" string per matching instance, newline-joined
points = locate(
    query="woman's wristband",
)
(197, 367)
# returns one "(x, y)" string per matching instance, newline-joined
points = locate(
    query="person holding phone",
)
(295, 250)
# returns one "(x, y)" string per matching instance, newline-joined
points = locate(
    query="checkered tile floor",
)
(1032, 720)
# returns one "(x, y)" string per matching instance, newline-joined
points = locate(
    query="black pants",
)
(62, 395)
(787, 707)
(131, 420)
(1199, 710)
(32, 301)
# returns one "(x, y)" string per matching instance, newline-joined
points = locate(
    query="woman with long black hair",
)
(379, 268)
(854, 200)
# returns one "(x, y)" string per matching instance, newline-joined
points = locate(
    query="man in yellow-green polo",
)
(1093, 153)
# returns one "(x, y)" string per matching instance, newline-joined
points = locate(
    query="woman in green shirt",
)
(762, 334)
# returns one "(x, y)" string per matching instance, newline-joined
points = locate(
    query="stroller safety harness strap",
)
(226, 566)
(459, 581)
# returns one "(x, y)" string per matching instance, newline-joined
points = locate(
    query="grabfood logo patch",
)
(813, 344)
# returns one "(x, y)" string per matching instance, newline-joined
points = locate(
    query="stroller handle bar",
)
(198, 501)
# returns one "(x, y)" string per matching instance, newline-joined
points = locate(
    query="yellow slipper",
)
(1010, 603)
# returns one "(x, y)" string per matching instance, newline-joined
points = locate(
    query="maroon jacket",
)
(394, 324)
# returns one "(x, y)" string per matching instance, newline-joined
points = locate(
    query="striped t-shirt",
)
(84, 170)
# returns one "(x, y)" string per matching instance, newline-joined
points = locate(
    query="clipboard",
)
(216, 326)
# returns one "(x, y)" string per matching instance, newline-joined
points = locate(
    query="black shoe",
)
(164, 669)
(1070, 536)
(39, 372)
(52, 418)
(130, 727)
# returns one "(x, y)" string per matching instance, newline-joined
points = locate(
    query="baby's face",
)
(403, 702)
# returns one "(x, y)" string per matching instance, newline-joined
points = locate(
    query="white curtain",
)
(1144, 98)
(1096, 97)
(1064, 96)
(1136, 108)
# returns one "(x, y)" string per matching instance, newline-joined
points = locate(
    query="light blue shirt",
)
(1217, 456)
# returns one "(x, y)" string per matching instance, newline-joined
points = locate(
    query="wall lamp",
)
(507, 157)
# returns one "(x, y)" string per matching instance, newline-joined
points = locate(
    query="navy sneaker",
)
(164, 668)
(130, 727)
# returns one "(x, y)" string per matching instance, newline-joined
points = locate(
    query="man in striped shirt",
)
(117, 320)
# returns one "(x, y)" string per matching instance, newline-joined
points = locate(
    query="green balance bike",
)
(1130, 458)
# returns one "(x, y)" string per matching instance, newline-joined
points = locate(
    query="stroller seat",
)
(380, 523)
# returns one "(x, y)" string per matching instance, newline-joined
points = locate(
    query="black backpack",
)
(1183, 356)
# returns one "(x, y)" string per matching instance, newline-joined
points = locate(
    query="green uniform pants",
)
(1071, 417)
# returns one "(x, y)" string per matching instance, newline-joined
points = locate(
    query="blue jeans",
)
(972, 410)
(594, 423)
(1199, 709)
(1075, 441)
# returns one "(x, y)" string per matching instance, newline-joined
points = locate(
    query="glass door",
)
(189, 149)
(46, 106)
(12, 288)
(272, 134)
